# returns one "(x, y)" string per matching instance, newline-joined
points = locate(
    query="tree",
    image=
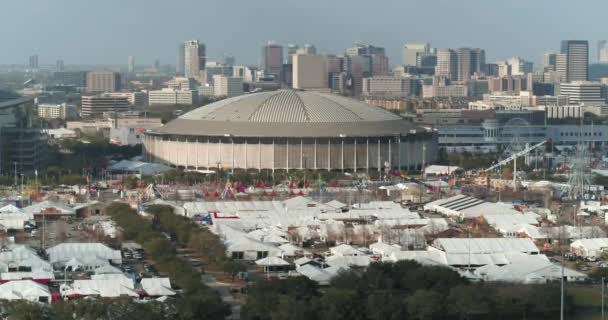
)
(340, 304)
(233, 267)
(425, 305)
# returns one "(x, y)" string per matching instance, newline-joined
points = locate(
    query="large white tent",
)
(25, 290)
(83, 252)
(157, 286)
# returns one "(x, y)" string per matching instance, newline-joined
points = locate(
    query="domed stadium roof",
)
(288, 113)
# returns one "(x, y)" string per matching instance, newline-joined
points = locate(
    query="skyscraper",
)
(291, 50)
(469, 62)
(307, 49)
(194, 59)
(550, 61)
(272, 60)
(576, 55)
(33, 62)
(157, 64)
(59, 66)
(181, 55)
(601, 44)
(411, 52)
(309, 71)
(131, 64)
(447, 63)
(362, 61)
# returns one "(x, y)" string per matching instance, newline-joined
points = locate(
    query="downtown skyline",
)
(120, 32)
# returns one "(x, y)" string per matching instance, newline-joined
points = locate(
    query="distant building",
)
(412, 51)
(583, 92)
(601, 44)
(227, 86)
(438, 91)
(508, 84)
(389, 86)
(172, 97)
(309, 71)
(603, 56)
(33, 62)
(131, 64)
(56, 111)
(71, 78)
(103, 81)
(246, 73)
(137, 99)
(447, 64)
(194, 59)
(272, 61)
(307, 49)
(181, 83)
(550, 61)
(59, 66)
(181, 62)
(573, 60)
(95, 106)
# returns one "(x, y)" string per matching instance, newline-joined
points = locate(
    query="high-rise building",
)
(272, 61)
(71, 78)
(469, 62)
(181, 63)
(291, 50)
(411, 52)
(519, 66)
(307, 49)
(576, 55)
(603, 58)
(157, 64)
(550, 61)
(33, 62)
(447, 63)
(224, 86)
(103, 81)
(131, 64)
(601, 44)
(309, 71)
(194, 59)
(362, 61)
(227, 59)
(59, 66)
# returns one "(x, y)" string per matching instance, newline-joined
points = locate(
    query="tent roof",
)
(157, 286)
(345, 250)
(272, 261)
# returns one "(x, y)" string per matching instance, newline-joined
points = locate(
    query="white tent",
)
(291, 250)
(157, 286)
(271, 262)
(40, 207)
(527, 269)
(103, 288)
(345, 250)
(25, 290)
(384, 249)
(64, 252)
(315, 274)
(107, 269)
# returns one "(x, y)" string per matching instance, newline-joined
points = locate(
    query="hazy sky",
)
(107, 31)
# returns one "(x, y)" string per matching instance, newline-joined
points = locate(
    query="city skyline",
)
(472, 24)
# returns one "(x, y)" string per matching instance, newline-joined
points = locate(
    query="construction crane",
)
(513, 158)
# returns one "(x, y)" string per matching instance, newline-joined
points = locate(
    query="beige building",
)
(224, 86)
(385, 86)
(103, 81)
(438, 91)
(309, 71)
(168, 96)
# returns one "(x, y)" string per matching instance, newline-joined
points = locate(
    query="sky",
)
(108, 31)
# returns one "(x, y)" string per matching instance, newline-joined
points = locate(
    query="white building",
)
(224, 86)
(437, 91)
(168, 96)
(56, 111)
(583, 92)
(589, 247)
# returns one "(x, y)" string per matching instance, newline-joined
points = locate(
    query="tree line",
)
(401, 290)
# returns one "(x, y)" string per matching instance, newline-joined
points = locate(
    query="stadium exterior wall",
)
(408, 152)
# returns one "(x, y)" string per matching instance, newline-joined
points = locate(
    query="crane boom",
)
(514, 156)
